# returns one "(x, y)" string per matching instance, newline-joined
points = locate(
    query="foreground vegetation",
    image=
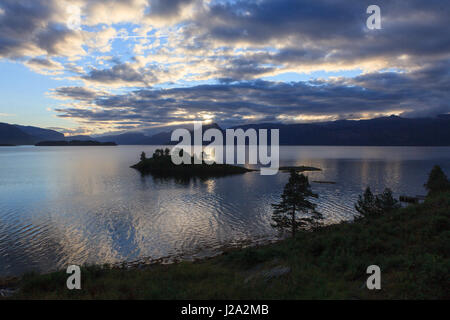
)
(411, 245)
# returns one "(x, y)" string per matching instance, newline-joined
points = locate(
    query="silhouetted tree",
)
(143, 156)
(366, 203)
(158, 153)
(167, 152)
(437, 181)
(294, 201)
(369, 205)
(386, 202)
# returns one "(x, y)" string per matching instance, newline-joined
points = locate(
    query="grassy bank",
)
(411, 246)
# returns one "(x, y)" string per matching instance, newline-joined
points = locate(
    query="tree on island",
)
(437, 181)
(294, 202)
(370, 205)
(159, 153)
(143, 156)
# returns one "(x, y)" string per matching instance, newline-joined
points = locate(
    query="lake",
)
(75, 205)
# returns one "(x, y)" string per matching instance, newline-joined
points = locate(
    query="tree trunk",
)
(293, 222)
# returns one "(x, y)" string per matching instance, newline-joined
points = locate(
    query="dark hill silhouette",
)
(40, 134)
(385, 131)
(73, 143)
(125, 138)
(138, 138)
(10, 134)
(79, 138)
(26, 135)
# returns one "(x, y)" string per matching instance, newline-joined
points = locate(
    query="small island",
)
(324, 182)
(74, 143)
(7, 145)
(161, 164)
(299, 168)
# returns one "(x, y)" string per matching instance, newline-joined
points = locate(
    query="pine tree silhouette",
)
(295, 211)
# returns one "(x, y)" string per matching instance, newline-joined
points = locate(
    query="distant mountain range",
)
(74, 143)
(385, 131)
(137, 138)
(162, 138)
(26, 135)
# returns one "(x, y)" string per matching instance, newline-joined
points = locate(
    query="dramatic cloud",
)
(365, 96)
(120, 75)
(325, 35)
(123, 49)
(169, 8)
(33, 28)
(45, 66)
(112, 11)
(77, 93)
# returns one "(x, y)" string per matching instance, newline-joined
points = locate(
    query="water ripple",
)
(88, 206)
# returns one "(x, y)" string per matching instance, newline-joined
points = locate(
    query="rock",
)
(267, 275)
(276, 272)
(7, 292)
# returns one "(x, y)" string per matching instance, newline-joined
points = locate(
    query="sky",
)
(96, 66)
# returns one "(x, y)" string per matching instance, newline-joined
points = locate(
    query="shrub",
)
(437, 181)
(369, 205)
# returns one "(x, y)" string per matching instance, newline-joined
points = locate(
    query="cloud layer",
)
(419, 93)
(140, 62)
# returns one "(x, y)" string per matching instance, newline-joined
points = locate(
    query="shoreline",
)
(148, 262)
(328, 263)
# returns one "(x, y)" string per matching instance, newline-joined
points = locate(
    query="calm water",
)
(75, 205)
